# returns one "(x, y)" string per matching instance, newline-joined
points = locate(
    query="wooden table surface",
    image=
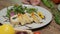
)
(51, 28)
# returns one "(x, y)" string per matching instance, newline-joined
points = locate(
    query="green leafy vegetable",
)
(20, 9)
(30, 10)
(54, 11)
(48, 3)
(56, 14)
(8, 13)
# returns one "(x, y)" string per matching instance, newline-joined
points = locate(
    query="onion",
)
(12, 13)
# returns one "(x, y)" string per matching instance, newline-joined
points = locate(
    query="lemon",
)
(6, 29)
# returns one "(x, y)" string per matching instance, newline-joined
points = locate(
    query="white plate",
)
(46, 13)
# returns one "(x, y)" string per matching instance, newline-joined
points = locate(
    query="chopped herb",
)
(14, 18)
(20, 9)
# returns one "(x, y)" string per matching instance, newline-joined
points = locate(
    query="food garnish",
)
(7, 29)
(22, 15)
(41, 15)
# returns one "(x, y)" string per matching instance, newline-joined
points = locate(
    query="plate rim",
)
(39, 7)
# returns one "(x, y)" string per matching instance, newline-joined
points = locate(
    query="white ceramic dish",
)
(46, 13)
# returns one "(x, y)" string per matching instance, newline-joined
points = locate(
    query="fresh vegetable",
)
(8, 13)
(21, 15)
(30, 10)
(48, 3)
(12, 14)
(6, 29)
(19, 9)
(37, 33)
(56, 14)
(54, 11)
(56, 1)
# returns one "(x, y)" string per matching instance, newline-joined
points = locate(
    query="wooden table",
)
(51, 28)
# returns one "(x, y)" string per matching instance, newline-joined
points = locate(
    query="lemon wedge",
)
(6, 29)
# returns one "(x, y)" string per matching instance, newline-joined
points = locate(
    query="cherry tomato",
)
(59, 0)
(56, 1)
(37, 33)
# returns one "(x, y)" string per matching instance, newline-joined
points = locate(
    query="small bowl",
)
(20, 30)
